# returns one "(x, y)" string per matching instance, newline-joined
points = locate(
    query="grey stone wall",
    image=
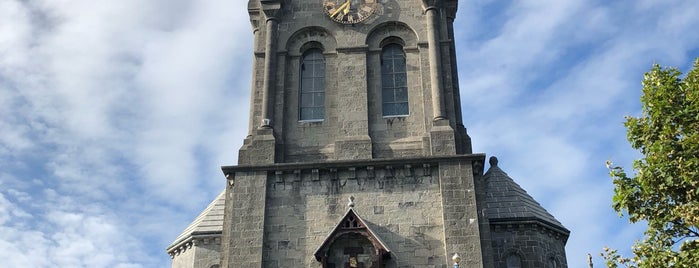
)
(406, 202)
(405, 210)
(354, 127)
(202, 252)
(535, 244)
(243, 226)
(208, 253)
(461, 230)
(184, 259)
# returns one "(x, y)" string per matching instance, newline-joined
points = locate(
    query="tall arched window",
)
(394, 81)
(312, 93)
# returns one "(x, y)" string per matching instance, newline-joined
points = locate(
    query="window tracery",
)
(394, 81)
(312, 93)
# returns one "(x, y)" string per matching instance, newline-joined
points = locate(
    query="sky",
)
(116, 115)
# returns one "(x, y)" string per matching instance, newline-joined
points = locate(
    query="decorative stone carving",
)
(428, 4)
(315, 174)
(297, 175)
(271, 8)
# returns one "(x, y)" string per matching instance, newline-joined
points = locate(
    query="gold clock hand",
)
(342, 8)
(347, 7)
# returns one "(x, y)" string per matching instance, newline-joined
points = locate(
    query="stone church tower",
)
(357, 155)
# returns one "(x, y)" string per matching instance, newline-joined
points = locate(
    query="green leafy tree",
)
(664, 191)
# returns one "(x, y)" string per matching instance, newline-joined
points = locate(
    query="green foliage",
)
(664, 191)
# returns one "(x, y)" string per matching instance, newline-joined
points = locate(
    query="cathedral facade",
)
(357, 155)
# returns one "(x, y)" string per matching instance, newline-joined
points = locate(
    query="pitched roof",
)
(507, 201)
(341, 227)
(209, 222)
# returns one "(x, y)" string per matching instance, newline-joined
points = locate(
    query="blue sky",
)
(115, 116)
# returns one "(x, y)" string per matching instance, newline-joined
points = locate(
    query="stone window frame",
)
(296, 44)
(507, 261)
(382, 35)
(310, 49)
(556, 261)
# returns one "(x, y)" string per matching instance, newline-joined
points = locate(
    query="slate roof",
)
(507, 201)
(209, 222)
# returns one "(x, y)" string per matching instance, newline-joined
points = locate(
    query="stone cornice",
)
(254, 12)
(417, 161)
(271, 8)
(197, 237)
(506, 222)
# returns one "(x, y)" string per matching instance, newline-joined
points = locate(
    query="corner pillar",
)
(271, 10)
(435, 59)
(260, 145)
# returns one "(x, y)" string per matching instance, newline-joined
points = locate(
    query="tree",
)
(664, 191)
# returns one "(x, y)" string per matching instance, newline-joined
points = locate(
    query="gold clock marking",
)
(344, 8)
(349, 11)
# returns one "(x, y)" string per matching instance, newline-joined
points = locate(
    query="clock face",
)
(349, 11)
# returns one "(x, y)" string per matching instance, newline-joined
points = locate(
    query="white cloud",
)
(67, 234)
(113, 110)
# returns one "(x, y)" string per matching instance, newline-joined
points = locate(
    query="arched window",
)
(312, 93)
(552, 263)
(394, 81)
(513, 261)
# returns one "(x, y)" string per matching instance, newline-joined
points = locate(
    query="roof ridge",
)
(500, 189)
